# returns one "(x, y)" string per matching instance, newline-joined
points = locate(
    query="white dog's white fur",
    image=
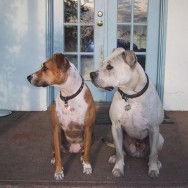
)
(122, 70)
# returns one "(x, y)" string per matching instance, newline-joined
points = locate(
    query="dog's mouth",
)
(108, 88)
(97, 83)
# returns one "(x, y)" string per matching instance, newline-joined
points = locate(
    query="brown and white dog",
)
(73, 113)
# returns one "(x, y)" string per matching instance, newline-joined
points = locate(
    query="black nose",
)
(93, 75)
(29, 78)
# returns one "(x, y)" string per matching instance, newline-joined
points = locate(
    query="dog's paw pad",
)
(117, 172)
(112, 159)
(52, 161)
(87, 169)
(59, 176)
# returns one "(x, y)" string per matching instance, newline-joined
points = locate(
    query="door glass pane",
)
(86, 66)
(73, 59)
(123, 36)
(79, 34)
(124, 11)
(87, 39)
(140, 38)
(142, 60)
(71, 35)
(70, 11)
(87, 11)
(140, 11)
(132, 27)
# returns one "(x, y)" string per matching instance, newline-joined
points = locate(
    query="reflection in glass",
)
(123, 36)
(73, 59)
(70, 11)
(87, 66)
(87, 11)
(70, 38)
(140, 37)
(124, 11)
(87, 39)
(140, 11)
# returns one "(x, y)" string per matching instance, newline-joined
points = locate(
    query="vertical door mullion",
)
(63, 32)
(132, 26)
(78, 37)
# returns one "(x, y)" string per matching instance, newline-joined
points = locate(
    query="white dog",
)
(136, 111)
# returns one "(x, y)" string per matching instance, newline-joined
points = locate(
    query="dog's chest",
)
(75, 113)
(132, 120)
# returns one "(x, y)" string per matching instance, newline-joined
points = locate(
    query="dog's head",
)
(116, 70)
(52, 72)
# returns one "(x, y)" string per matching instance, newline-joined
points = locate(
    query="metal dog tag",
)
(67, 107)
(127, 107)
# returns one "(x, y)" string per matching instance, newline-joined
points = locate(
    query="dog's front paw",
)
(118, 169)
(87, 168)
(59, 175)
(117, 172)
(153, 171)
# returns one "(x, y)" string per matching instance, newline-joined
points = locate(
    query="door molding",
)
(162, 48)
(49, 43)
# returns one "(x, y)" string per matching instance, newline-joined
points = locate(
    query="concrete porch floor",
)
(25, 154)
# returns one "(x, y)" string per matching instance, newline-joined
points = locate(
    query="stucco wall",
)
(22, 49)
(176, 67)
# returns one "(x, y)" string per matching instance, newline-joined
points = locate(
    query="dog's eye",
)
(44, 68)
(109, 67)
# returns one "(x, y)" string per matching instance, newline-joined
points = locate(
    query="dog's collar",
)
(66, 99)
(127, 97)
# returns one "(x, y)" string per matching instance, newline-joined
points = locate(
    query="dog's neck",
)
(136, 84)
(73, 82)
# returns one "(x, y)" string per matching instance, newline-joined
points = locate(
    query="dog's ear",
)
(113, 50)
(62, 61)
(129, 57)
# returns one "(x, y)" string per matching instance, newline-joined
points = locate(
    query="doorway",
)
(86, 31)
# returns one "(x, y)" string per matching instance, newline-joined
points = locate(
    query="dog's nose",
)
(29, 78)
(93, 75)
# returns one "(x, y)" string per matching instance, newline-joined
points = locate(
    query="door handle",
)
(100, 23)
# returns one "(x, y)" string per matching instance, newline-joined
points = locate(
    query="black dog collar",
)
(127, 97)
(66, 99)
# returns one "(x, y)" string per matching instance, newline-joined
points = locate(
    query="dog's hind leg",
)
(117, 134)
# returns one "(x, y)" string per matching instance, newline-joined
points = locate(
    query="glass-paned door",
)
(86, 31)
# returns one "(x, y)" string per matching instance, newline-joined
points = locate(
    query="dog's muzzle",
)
(94, 76)
(36, 82)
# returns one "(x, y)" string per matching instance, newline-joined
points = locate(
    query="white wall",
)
(22, 50)
(176, 68)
